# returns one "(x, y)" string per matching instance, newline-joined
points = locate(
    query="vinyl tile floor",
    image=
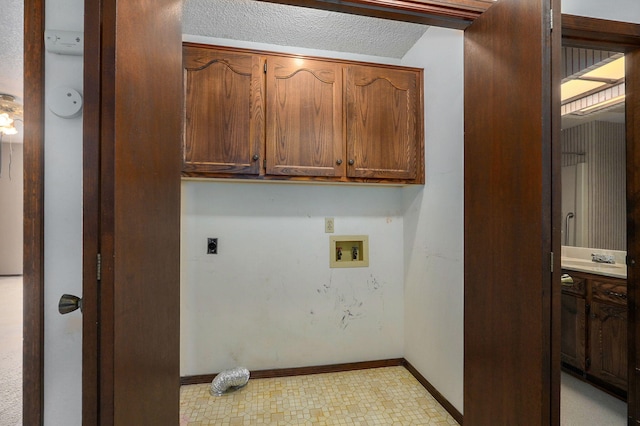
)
(379, 396)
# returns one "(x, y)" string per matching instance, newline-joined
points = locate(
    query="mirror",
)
(593, 152)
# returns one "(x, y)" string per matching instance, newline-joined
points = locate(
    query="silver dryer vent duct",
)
(229, 380)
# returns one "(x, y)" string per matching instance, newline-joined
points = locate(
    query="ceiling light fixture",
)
(10, 111)
(594, 89)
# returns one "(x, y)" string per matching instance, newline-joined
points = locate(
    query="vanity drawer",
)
(609, 291)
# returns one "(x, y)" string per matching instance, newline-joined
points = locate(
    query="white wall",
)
(433, 222)
(63, 229)
(269, 299)
(11, 216)
(614, 10)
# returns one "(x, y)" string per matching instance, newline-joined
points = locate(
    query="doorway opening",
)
(11, 213)
(593, 328)
(618, 38)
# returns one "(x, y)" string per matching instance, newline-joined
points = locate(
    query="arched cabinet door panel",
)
(304, 117)
(384, 122)
(224, 111)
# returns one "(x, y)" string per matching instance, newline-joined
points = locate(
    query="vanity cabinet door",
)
(608, 343)
(304, 117)
(224, 111)
(573, 333)
(384, 123)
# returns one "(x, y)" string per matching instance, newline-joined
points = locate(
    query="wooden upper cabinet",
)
(224, 111)
(304, 117)
(262, 115)
(384, 122)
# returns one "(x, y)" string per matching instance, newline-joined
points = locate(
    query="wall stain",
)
(350, 313)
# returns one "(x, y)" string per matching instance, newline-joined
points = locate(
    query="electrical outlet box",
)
(348, 251)
(212, 246)
(329, 227)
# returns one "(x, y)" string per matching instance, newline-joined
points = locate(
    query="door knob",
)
(69, 303)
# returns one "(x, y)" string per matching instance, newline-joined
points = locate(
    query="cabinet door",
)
(608, 341)
(304, 117)
(573, 332)
(384, 122)
(224, 111)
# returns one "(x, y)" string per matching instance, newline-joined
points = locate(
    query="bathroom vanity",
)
(594, 321)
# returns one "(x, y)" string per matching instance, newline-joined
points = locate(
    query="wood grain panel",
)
(33, 257)
(580, 31)
(140, 87)
(608, 339)
(91, 239)
(508, 230)
(224, 111)
(383, 122)
(304, 117)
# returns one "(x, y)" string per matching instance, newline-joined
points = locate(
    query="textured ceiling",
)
(11, 67)
(256, 21)
(11, 29)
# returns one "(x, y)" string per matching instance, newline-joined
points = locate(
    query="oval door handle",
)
(69, 303)
(255, 157)
(351, 162)
(338, 162)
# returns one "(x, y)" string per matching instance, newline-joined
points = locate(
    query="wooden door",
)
(608, 343)
(573, 330)
(224, 111)
(304, 117)
(131, 235)
(384, 122)
(510, 354)
(384, 126)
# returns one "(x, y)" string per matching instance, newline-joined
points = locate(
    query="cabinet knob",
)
(255, 157)
(338, 162)
(351, 162)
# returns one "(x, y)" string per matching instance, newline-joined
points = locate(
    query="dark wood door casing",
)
(33, 257)
(632, 83)
(457, 14)
(508, 371)
(133, 110)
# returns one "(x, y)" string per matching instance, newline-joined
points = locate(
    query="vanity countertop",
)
(617, 270)
(579, 259)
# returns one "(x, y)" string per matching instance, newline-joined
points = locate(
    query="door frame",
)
(588, 32)
(33, 258)
(579, 31)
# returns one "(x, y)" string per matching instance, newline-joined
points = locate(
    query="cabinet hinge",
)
(551, 19)
(587, 363)
(265, 67)
(587, 309)
(99, 267)
(551, 262)
(264, 163)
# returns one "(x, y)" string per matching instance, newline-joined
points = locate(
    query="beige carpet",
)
(583, 405)
(10, 351)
